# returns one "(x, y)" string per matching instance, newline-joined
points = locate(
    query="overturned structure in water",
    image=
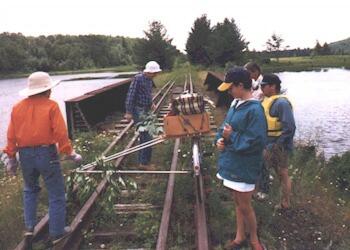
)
(87, 110)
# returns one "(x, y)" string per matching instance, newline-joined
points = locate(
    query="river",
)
(321, 102)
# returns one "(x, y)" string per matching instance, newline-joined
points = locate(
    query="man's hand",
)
(227, 131)
(220, 144)
(128, 117)
(76, 157)
(10, 163)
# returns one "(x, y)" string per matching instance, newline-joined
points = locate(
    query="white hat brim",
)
(148, 71)
(30, 92)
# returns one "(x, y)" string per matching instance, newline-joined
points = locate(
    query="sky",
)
(299, 22)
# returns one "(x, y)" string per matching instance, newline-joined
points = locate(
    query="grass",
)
(295, 64)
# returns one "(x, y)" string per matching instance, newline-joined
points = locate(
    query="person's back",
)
(36, 126)
(41, 116)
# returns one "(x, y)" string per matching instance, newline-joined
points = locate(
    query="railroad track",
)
(81, 219)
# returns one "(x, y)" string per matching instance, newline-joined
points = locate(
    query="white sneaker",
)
(260, 196)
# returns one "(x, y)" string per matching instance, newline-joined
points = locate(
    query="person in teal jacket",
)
(241, 141)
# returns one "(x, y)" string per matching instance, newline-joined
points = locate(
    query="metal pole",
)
(134, 172)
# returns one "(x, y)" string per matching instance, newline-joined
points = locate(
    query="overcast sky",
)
(299, 22)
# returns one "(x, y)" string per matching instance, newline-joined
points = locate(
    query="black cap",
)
(235, 75)
(270, 79)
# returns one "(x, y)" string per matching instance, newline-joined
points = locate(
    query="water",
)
(64, 91)
(321, 102)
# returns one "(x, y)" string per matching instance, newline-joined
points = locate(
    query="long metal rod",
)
(164, 225)
(134, 172)
(72, 243)
(195, 157)
(191, 83)
(123, 153)
(200, 214)
(131, 123)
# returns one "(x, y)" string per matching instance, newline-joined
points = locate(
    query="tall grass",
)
(307, 63)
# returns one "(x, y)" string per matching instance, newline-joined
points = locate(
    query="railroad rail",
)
(80, 221)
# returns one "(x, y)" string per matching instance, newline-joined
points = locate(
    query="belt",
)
(39, 146)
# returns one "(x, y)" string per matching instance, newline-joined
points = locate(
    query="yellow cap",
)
(224, 86)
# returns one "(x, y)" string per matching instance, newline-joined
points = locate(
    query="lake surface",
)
(321, 102)
(66, 90)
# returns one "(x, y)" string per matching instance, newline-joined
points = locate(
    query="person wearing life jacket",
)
(281, 129)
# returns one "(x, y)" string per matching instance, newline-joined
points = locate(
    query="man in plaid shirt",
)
(139, 102)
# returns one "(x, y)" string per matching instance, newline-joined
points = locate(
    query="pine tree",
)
(156, 46)
(318, 48)
(198, 42)
(226, 43)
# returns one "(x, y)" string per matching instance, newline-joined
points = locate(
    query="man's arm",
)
(11, 147)
(286, 117)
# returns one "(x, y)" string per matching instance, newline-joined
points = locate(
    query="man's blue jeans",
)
(145, 155)
(36, 161)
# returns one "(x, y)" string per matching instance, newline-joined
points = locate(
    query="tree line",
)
(63, 52)
(220, 44)
(19, 53)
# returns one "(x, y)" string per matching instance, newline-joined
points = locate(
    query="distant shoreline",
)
(122, 68)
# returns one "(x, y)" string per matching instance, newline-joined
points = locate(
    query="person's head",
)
(237, 82)
(152, 68)
(38, 83)
(270, 85)
(254, 70)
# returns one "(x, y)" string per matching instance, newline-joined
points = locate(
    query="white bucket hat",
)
(38, 82)
(152, 67)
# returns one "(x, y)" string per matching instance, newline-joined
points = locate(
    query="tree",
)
(326, 50)
(156, 46)
(226, 43)
(317, 48)
(274, 44)
(198, 42)
(322, 50)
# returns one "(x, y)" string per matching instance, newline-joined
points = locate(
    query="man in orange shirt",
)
(37, 131)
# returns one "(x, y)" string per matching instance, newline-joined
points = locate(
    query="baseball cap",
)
(235, 75)
(270, 79)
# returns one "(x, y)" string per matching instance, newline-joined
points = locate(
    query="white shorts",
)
(237, 186)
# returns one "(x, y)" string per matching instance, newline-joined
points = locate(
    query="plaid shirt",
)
(139, 94)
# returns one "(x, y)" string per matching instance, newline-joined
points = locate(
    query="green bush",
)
(338, 168)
